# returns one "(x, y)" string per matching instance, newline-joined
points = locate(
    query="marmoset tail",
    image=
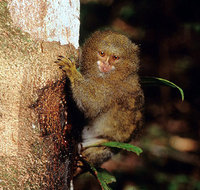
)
(108, 91)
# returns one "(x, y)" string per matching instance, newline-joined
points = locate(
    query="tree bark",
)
(35, 138)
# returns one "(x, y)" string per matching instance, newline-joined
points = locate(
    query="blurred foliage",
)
(168, 33)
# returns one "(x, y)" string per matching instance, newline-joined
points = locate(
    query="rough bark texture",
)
(34, 137)
(49, 20)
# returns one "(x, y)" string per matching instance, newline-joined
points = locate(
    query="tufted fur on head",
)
(112, 43)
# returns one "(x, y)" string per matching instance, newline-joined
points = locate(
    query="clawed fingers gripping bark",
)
(67, 65)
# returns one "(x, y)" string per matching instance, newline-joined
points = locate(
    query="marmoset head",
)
(108, 53)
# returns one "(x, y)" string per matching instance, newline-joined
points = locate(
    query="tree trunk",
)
(35, 139)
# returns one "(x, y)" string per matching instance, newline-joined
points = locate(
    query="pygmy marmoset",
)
(107, 90)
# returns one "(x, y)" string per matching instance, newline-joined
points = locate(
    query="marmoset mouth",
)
(104, 68)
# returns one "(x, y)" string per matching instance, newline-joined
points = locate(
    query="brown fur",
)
(111, 101)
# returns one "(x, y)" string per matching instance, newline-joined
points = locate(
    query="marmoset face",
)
(109, 55)
(107, 61)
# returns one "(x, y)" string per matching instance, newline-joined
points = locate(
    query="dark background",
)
(168, 35)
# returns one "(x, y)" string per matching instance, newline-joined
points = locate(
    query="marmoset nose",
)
(106, 61)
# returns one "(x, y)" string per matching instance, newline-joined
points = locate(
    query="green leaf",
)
(106, 176)
(161, 81)
(103, 176)
(124, 146)
(78, 69)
